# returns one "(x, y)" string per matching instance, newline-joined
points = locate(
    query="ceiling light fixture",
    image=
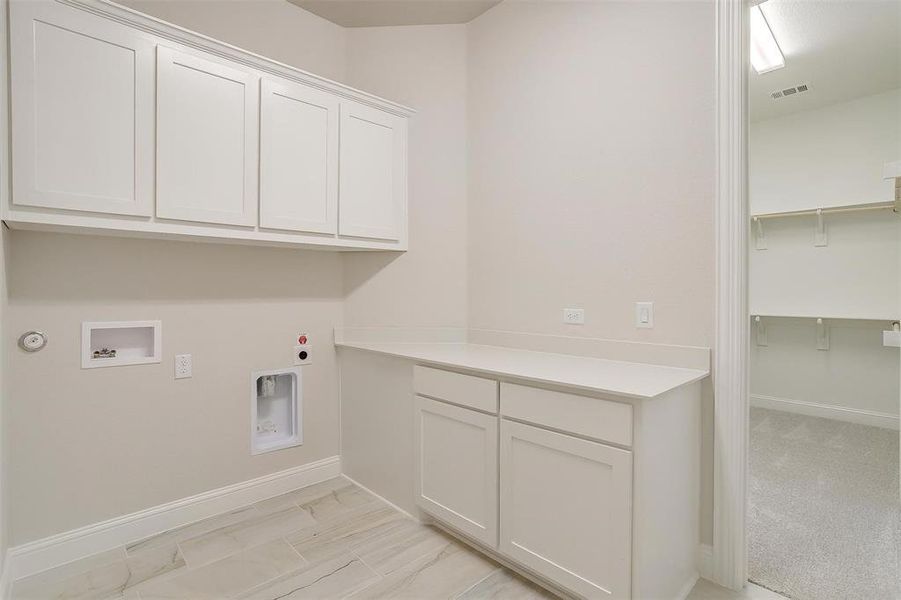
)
(765, 53)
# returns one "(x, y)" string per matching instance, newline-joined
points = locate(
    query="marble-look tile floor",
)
(328, 541)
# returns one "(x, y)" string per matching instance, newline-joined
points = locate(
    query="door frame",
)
(731, 355)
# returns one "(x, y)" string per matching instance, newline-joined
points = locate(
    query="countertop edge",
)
(692, 375)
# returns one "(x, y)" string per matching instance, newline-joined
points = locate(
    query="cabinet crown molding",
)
(137, 20)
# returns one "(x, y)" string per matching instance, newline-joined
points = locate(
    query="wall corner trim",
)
(6, 583)
(732, 337)
(34, 557)
(705, 561)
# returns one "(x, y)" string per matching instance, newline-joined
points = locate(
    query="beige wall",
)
(592, 168)
(591, 174)
(424, 67)
(272, 28)
(4, 395)
(4, 241)
(88, 445)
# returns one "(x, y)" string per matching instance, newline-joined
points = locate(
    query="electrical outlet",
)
(644, 315)
(574, 316)
(303, 355)
(184, 367)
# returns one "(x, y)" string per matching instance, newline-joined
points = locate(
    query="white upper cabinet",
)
(82, 111)
(207, 140)
(298, 158)
(124, 124)
(373, 188)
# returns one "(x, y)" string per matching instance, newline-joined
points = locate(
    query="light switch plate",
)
(644, 315)
(574, 316)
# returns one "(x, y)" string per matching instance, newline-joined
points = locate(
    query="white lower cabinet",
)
(457, 467)
(565, 506)
(596, 496)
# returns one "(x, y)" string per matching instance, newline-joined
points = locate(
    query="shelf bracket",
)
(820, 236)
(760, 240)
(892, 339)
(761, 331)
(822, 335)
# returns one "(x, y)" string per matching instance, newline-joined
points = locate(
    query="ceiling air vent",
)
(798, 89)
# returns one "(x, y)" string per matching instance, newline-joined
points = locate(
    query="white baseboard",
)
(380, 497)
(689, 585)
(827, 411)
(705, 561)
(6, 583)
(65, 547)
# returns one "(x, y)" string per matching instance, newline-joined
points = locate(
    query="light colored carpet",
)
(824, 516)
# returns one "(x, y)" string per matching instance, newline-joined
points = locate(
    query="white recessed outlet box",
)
(303, 355)
(276, 410)
(574, 316)
(644, 315)
(119, 343)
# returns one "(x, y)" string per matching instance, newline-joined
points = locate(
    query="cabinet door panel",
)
(566, 509)
(298, 158)
(457, 467)
(207, 140)
(82, 107)
(373, 189)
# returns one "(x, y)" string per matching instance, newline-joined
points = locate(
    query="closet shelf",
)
(826, 316)
(893, 205)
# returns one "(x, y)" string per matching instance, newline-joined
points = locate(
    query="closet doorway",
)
(824, 506)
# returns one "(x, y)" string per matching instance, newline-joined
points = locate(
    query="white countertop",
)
(619, 378)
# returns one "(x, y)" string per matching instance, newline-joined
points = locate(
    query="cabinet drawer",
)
(465, 390)
(591, 417)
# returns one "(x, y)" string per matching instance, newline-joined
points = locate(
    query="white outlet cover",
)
(184, 366)
(644, 315)
(574, 316)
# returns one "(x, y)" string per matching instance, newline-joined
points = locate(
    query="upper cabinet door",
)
(298, 158)
(373, 189)
(82, 111)
(207, 140)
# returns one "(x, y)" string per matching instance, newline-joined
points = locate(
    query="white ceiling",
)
(379, 13)
(843, 49)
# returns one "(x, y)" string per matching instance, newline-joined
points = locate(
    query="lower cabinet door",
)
(565, 506)
(456, 471)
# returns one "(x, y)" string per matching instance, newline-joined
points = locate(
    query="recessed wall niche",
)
(119, 343)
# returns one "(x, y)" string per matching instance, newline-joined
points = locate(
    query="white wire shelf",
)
(825, 210)
(770, 314)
